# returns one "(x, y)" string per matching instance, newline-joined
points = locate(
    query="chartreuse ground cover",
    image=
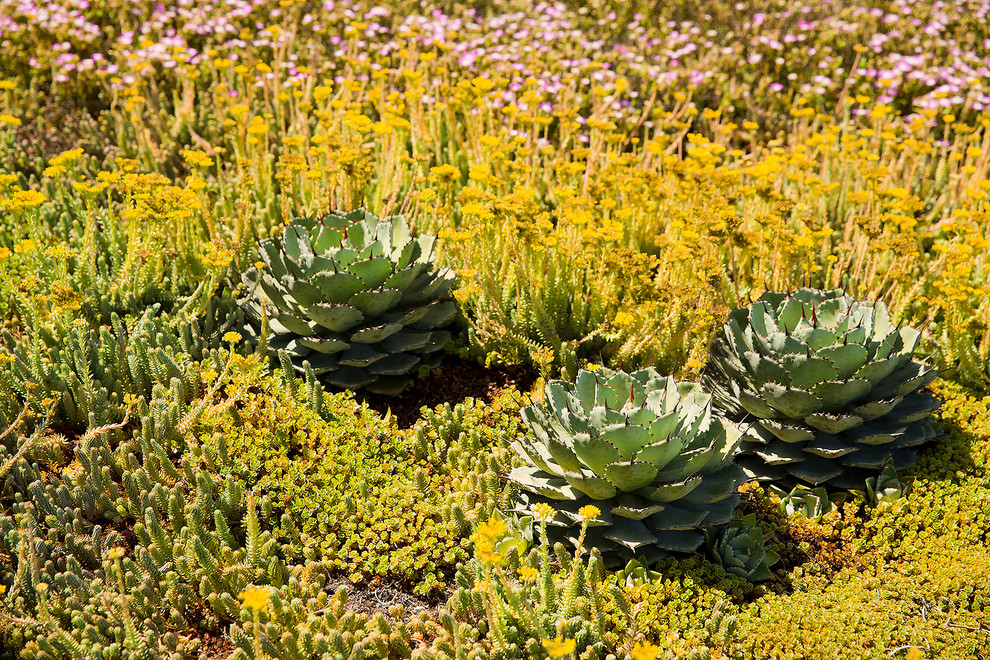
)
(713, 278)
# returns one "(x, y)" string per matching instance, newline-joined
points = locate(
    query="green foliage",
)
(642, 448)
(350, 488)
(514, 596)
(739, 548)
(832, 384)
(89, 371)
(354, 296)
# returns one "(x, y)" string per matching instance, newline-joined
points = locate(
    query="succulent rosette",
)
(643, 449)
(830, 384)
(355, 296)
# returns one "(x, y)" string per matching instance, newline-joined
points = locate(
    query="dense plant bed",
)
(491, 330)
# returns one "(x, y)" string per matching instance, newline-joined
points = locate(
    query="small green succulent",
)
(740, 549)
(830, 383)
(356, 297)
(643, 449)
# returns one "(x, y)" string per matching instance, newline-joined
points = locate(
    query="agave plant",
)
(831, 384)
(646, 451)
(356, 297)
(740, 549)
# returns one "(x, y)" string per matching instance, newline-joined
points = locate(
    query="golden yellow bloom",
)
(528, 574)
(232, 337)
(6, 84)
(543, 512)
(9, 120)
(196, 158)
(558, 647)
(66, 157)
(589, 512)
(493, 529)
(116, 553)
(254, 599)
(645, 651)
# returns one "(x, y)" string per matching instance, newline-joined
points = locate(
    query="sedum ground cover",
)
(606, 180)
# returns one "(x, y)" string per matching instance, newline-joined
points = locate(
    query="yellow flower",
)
(116, 553)
(196, 158)
(446, 171)
(558, 647)
(528, 574)
(493, 529)
(254, 599)
(543, 512)
(232, 337)
(66, 157)
(645, 651)
(10, 120)
(6, 84)
(53, 170)
(589, 512)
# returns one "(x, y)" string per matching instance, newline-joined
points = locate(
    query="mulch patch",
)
(453, 381)
(373, 596)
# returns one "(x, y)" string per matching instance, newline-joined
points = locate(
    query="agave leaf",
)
(337, 287)
(373, 271)
(335, 318)
(677, 517)
(829, 312)
(662, 426)
(828, 446)
(437, 316)
(661, 453)
(716, 486)
(780, 453)
(627, 439)
(792, 402)
(817, 338)
(305, 293)
(787, 432)
(872, 434)
(540, 482)
(805, 372)
(595, 452)
(295, 324)
(634, 508)
(873, 409)
(395, 365)
(327, 238)
(349, 378)
(815, 470)
(403, 279)
(325, 346)
(836, 394)
(374, 303)
(914, 407)
(791, 314)
(360, 355)
(847, 358)
(876, 370)
(629, 476)
(870, 457)
(764, 369)
(756, 405)
(631, 534)
(830, 423)
(375, 334)
(405, 340)
(670, 492)
(596, 488)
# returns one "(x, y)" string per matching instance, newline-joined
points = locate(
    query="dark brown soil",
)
(374, 596)
(215, 647)
(455, 380)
